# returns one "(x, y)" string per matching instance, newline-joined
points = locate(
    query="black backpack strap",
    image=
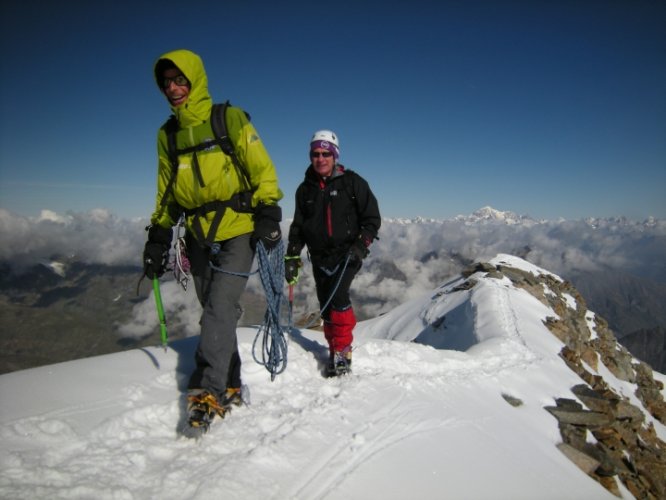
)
(171, 127)
(348, 183)
(218, 122)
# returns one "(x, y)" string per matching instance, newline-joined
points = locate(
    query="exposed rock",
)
(582, 460)
(465, 285)
(579, 417)
(649, 392)
(513, 401)
(593, 399)
(625, 446)
(649, 345)
(310, 320)
(633, 306)
(478, 267)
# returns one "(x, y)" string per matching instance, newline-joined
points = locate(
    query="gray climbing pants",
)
(217, 359)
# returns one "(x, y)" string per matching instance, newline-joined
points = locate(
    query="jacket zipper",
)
(329, 216)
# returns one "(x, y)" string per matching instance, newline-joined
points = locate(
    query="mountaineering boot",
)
(202, 406)
(340, 363)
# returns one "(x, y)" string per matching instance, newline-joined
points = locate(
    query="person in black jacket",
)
(337, 217)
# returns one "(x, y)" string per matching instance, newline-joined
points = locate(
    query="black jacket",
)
(331, 214)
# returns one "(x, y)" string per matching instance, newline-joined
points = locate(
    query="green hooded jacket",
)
(219, 176)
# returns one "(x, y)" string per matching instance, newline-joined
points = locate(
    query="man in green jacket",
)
(228, 208)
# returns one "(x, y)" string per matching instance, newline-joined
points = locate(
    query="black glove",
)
(292, 268)
(294, 249)
(359, 250)
(156, 251)
(267, 226)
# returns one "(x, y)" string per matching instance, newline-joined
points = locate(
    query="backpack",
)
(241, 202)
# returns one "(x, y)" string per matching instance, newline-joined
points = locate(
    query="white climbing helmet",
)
(325, 135)
(325, 139)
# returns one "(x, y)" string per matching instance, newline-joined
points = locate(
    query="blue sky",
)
(547, 108)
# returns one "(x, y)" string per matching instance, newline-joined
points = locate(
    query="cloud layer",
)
(411, 258)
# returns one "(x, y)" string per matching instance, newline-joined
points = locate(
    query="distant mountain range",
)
(68, 305)
(491, 215)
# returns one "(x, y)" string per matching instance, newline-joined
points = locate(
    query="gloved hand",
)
(292, 268)
(156, 251)
(359, 250)
(154, 259)
(267, 226)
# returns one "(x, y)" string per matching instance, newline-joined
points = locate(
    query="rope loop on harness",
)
(181, 262)
(271, 332)
(214, 250)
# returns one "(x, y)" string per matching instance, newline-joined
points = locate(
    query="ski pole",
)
(160, 312)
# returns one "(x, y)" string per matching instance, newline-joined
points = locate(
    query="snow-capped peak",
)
(489, 214)
(57, 267)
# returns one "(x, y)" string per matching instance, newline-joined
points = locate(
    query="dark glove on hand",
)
(267, 226)
(359, 250)
(155, 257)
(156, 251)
(292, 268)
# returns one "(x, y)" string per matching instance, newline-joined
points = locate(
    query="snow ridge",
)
(422, 413)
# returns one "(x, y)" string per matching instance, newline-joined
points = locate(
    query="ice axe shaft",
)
(291, 307)
(160, 312)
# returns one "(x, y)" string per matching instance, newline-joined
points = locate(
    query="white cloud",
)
(94, 237)
(411, 257)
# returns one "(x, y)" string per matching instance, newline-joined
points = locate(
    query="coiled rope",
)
(271, 332)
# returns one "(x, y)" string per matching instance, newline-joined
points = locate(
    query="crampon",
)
(339, 364)
(203, 407)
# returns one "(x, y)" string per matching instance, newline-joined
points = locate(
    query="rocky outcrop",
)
(648, 344)
(609, 436)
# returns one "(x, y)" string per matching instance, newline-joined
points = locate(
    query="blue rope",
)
(214, 250)
(337, 284)
(272, 334)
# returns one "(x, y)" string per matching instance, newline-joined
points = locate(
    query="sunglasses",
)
(179, 80)
(325, 154)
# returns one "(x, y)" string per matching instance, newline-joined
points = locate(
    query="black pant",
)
(326, 280)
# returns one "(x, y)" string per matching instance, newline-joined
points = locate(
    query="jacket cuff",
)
(159, 234)
(294, 249)
(273, 212)
(366, 237)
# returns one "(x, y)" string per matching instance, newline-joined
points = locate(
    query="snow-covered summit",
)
(484, 215)
(448, 397)
(488, 214)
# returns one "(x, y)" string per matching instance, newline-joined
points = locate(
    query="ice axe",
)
(291, 307)
(160, 312)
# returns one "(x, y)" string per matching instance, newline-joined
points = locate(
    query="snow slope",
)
(422, 416)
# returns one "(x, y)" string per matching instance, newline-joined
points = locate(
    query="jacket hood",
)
(199, 103)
